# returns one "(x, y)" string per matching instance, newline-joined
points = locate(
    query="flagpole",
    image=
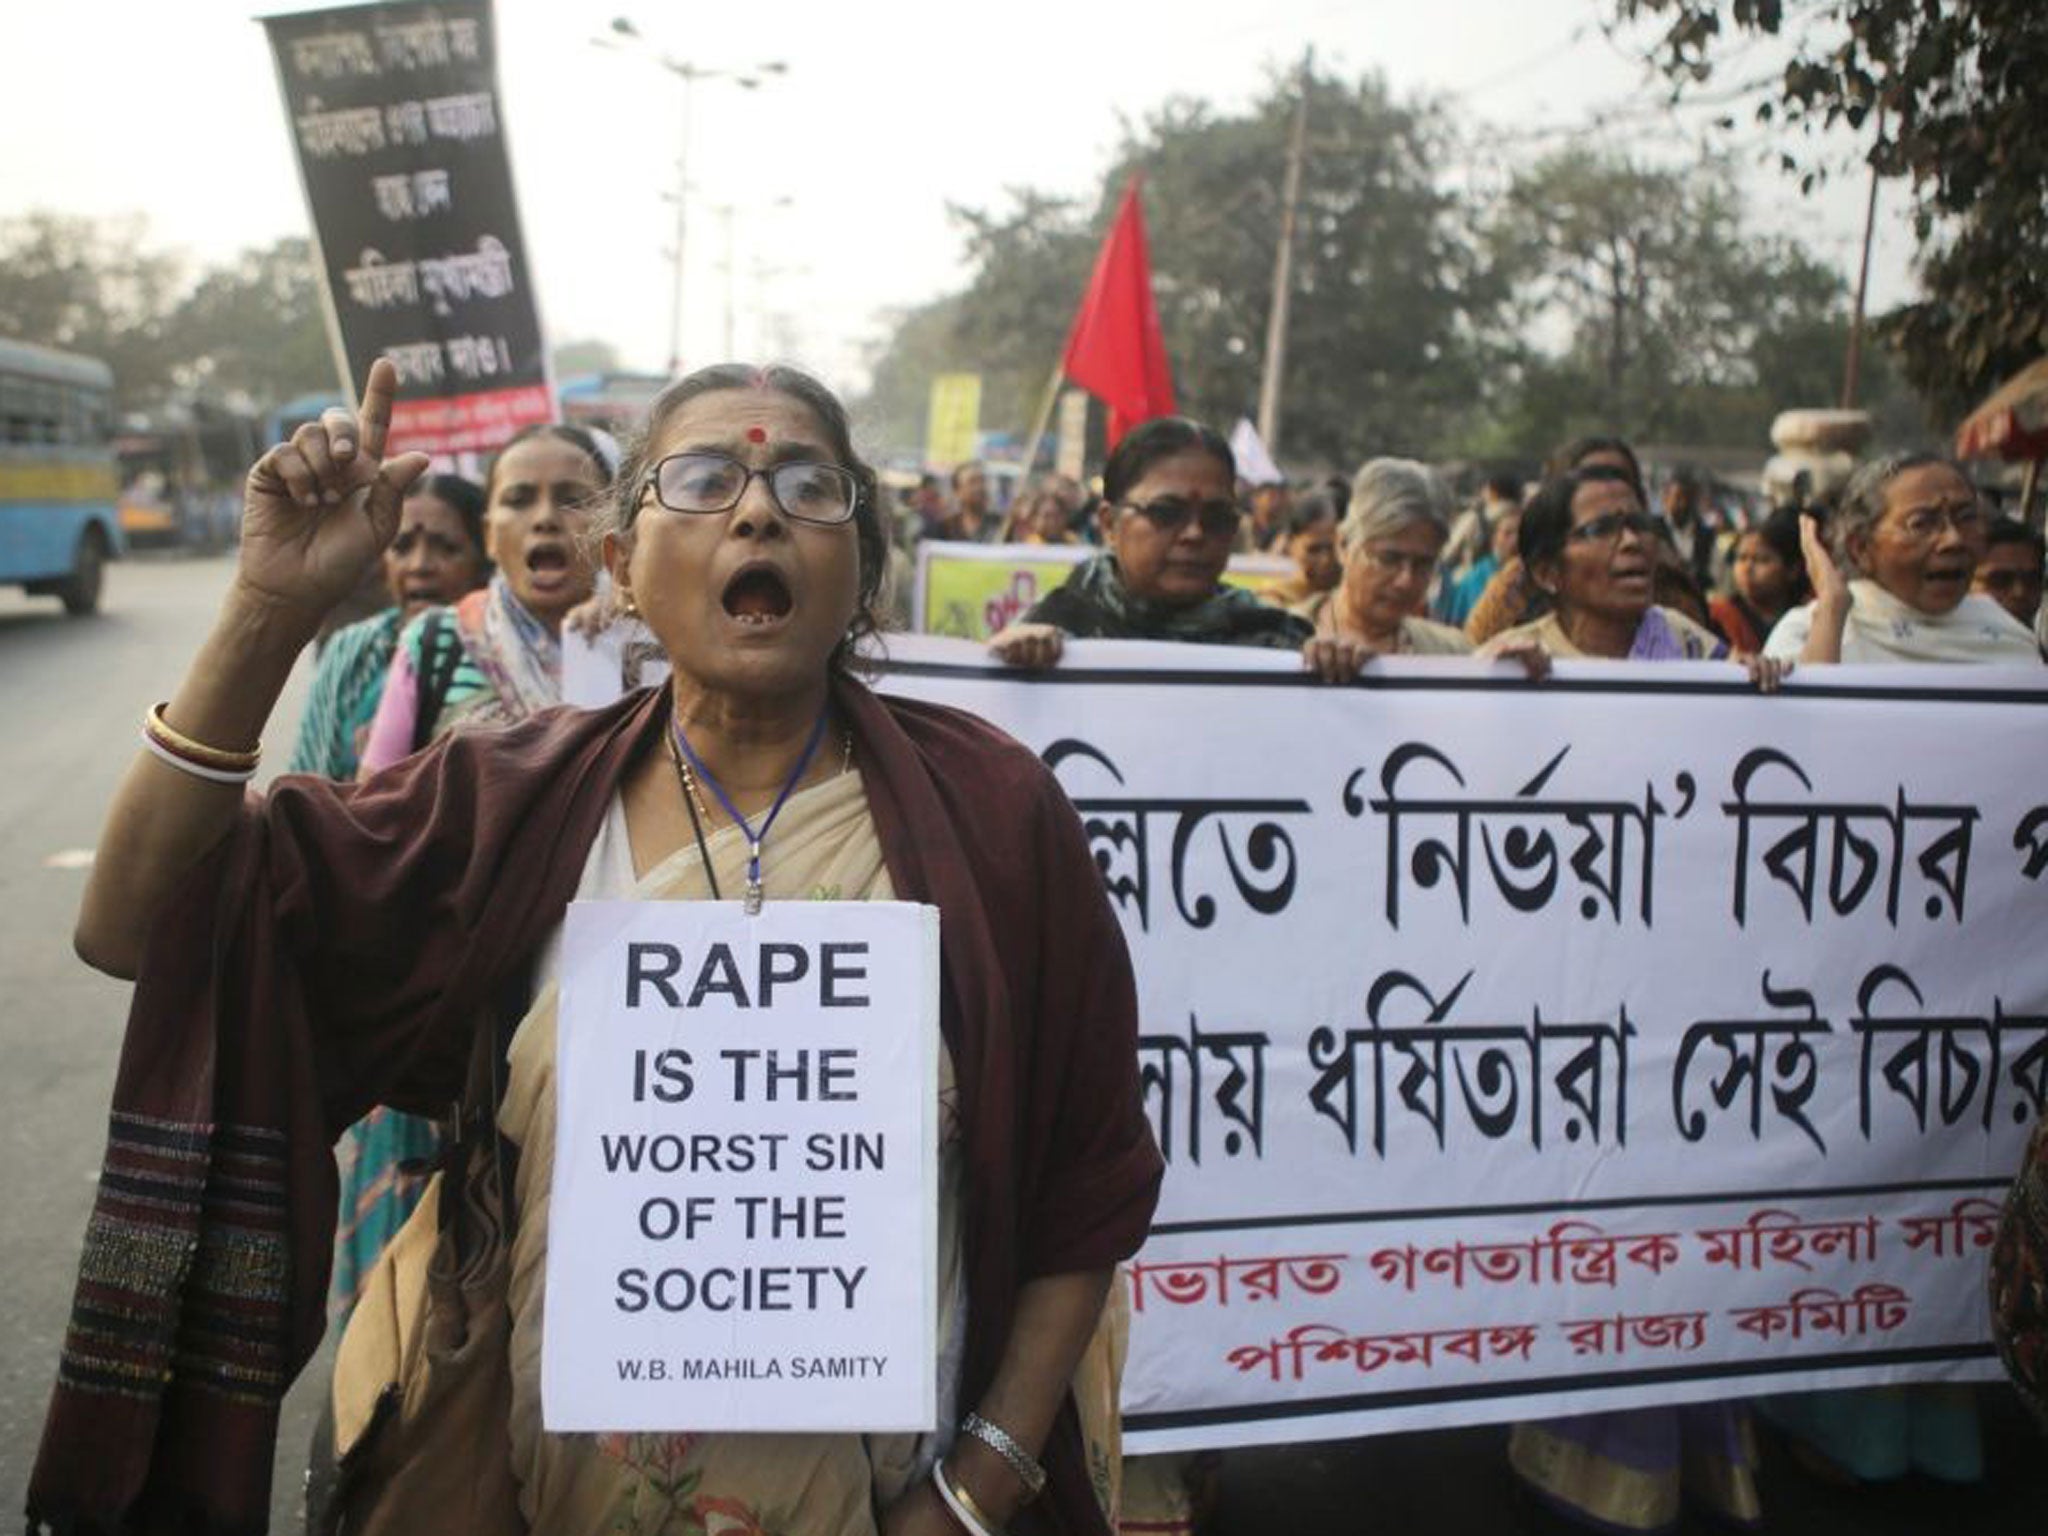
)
(1052, 395)
(1852, 362)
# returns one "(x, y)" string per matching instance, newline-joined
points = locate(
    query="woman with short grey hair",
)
(1891, 578)
(1391, 538)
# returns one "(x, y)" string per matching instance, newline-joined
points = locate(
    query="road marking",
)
(69, 858)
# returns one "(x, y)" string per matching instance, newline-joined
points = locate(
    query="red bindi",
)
(757, 434)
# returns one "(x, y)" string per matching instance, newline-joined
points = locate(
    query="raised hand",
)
(318, 509)
(1830, 586)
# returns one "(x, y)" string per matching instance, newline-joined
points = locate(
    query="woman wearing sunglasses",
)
(1169, 518)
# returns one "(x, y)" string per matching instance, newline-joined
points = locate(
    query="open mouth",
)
(757, 595)
(547, 562)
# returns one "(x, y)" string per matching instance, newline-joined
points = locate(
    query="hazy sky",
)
(889, 110)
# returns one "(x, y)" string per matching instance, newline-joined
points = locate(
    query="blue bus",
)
(58, 523)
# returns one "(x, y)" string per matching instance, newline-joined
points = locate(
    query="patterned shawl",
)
(346, 688)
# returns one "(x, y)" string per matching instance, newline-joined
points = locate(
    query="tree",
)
(1393, 305)
(90, 287)
(922, 343)
(1680, 324)
(246, 334)
(1963, 88)
(1029, 262)
(251, 333)
(1391, 297)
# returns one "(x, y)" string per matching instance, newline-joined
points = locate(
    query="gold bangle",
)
(175, 741)
(967, 1502)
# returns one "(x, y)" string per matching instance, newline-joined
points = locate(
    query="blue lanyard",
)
(754, 839)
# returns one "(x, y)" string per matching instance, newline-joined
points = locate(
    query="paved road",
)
(70, 694)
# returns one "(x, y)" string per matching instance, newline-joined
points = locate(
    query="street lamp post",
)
(689, 74)
(728, 213)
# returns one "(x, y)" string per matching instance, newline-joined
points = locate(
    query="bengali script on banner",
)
(398, 127)
(1519, 1049)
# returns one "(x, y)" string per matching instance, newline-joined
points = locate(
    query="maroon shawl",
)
(338, 950)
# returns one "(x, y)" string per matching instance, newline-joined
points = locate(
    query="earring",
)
(629, 609)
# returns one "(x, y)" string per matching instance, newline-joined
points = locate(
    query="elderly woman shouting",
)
(1909, 534)
(1591, 550)
(305, 954)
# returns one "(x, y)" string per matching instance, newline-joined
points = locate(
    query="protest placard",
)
(970, 591)
(744, 1201)
(399, 131)
(953, 423)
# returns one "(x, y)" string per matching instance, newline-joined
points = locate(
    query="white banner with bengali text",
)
(1517, 1049)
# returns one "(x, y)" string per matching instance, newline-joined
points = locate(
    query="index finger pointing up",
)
(379, 390)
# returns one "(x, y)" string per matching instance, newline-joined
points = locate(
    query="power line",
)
(1571, 40)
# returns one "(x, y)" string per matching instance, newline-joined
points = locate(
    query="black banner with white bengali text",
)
(397, 122)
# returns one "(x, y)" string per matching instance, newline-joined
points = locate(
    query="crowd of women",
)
(1581, 567)
(365, 953)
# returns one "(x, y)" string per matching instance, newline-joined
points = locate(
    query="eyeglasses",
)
(1392, 562)
(1609, 528)
(1925, 523)
(716, 482)
(1170, 514)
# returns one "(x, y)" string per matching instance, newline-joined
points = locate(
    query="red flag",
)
(1116, 351)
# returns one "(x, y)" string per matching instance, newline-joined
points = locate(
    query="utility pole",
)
(689, 74)
(1853, 363)
(725, 215)
(1283, 270)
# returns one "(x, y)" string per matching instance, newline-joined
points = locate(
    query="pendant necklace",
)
(687, 756)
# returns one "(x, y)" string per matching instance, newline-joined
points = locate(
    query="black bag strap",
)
(440, 655)
(478, 1163)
